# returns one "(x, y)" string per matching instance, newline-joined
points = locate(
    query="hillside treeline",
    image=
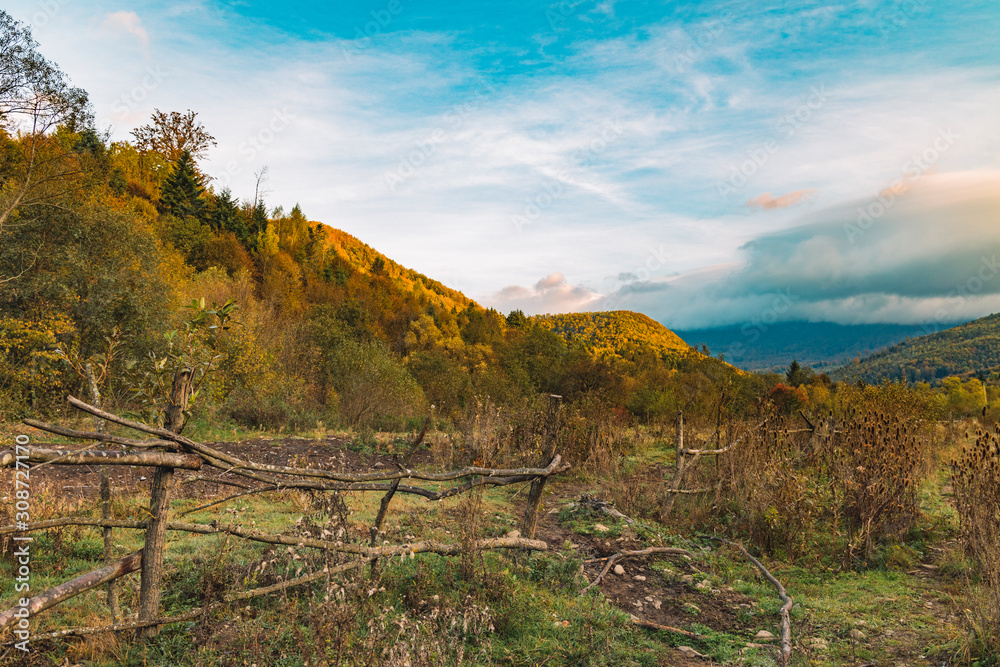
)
(969, 350)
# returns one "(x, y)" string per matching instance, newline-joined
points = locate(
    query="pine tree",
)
(226, 217)
(181, 195)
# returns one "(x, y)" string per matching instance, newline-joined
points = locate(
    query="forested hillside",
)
(971, 349)
(121, 259)
(616, 333)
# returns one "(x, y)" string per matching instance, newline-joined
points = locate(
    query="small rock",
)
(929, 605)
(687, 579)
(601, 528)
(703, 585)
(856, 635)
(514, 534)
(657, 604)
(639, 577)
(690, 652)
(619, 570)
(729, 589)
(649, 598)
(638, 604)
(818, 643)
(890, 633)
(763, 636)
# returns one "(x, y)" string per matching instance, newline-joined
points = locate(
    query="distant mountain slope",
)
(363, 258)
(966, 349)
(823, 345)
(614, 332)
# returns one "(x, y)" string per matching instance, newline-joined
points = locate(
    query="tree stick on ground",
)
(786, 625)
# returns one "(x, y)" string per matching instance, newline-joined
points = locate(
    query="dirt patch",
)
(652, 594)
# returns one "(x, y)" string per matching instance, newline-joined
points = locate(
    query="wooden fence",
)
(167, 451)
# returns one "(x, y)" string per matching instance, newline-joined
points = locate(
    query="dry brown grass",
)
(976, 478)
(877, 463)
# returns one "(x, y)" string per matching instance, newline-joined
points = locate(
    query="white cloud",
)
(551, 294)
(128, 22)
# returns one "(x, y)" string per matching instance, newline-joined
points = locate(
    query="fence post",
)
(159, 511)
(95, 400)
(538, 484)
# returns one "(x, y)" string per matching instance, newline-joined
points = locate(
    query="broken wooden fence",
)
(168, 451)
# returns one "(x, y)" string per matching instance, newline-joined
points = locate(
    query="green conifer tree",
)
(182, 192)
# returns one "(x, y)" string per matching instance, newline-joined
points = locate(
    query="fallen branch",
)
(706, 490)
(74, 587)
(71, 521)
(102, 457)
(622, 555)
(94, 435)
(700, 452)
(604, 507)
(428, 546)
(786, 625)
(214, 480)
(195, 613)
(236, 464)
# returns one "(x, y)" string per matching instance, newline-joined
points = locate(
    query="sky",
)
(707, 163)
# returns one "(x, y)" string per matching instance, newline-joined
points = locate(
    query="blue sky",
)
(698, 161)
